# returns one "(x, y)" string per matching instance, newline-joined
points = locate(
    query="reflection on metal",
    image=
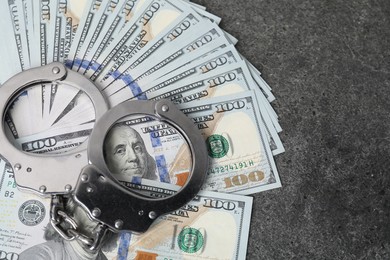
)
(82, 175)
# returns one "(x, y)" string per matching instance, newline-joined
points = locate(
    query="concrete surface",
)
(328, 62)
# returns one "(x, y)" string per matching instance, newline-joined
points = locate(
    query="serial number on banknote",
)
(231, 167)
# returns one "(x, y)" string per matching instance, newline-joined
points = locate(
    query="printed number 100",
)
(243, 179)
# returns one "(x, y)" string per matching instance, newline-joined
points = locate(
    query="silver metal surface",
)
(118, 224)
(68, 188)
(84, 168)
(42, 173)
(137, 212)
(152, 215)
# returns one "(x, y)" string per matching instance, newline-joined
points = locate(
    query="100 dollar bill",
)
(95, 29)
(131, 71)
(45, 18)
(195, 231)
(43, 108)
(225, 80)
(161, 19)
(183, 26)
(8, 49)
(155, 148)
(112, 27)
(70, 12)
(23, 216)
(55, 141)
(211, 226)
(91, 8)
(241, 160)
(220, 58)
(152, 17)
(20, 32)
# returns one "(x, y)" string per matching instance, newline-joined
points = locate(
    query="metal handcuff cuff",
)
(83, 174)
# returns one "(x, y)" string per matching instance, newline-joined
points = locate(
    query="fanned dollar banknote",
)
(139, 50)
(24, 218)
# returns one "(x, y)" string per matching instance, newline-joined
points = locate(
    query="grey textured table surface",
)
(328, 63)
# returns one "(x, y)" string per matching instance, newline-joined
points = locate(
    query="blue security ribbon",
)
(124, 243)
(162, 169)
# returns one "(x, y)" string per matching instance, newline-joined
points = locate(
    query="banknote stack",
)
(141, 50)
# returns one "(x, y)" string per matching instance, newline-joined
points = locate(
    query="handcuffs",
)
(83, 174)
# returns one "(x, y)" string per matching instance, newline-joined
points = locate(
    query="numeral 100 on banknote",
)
(244, 179)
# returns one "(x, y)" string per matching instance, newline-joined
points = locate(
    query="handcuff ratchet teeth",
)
(83, 174)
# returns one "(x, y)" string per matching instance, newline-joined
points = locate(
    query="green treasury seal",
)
(190, 240)
(217, 146)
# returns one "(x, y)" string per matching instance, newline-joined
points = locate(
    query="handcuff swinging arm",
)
(41, 173)
(57, 175)
(133, 211)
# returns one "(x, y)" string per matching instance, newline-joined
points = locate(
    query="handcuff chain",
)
(59, 217)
